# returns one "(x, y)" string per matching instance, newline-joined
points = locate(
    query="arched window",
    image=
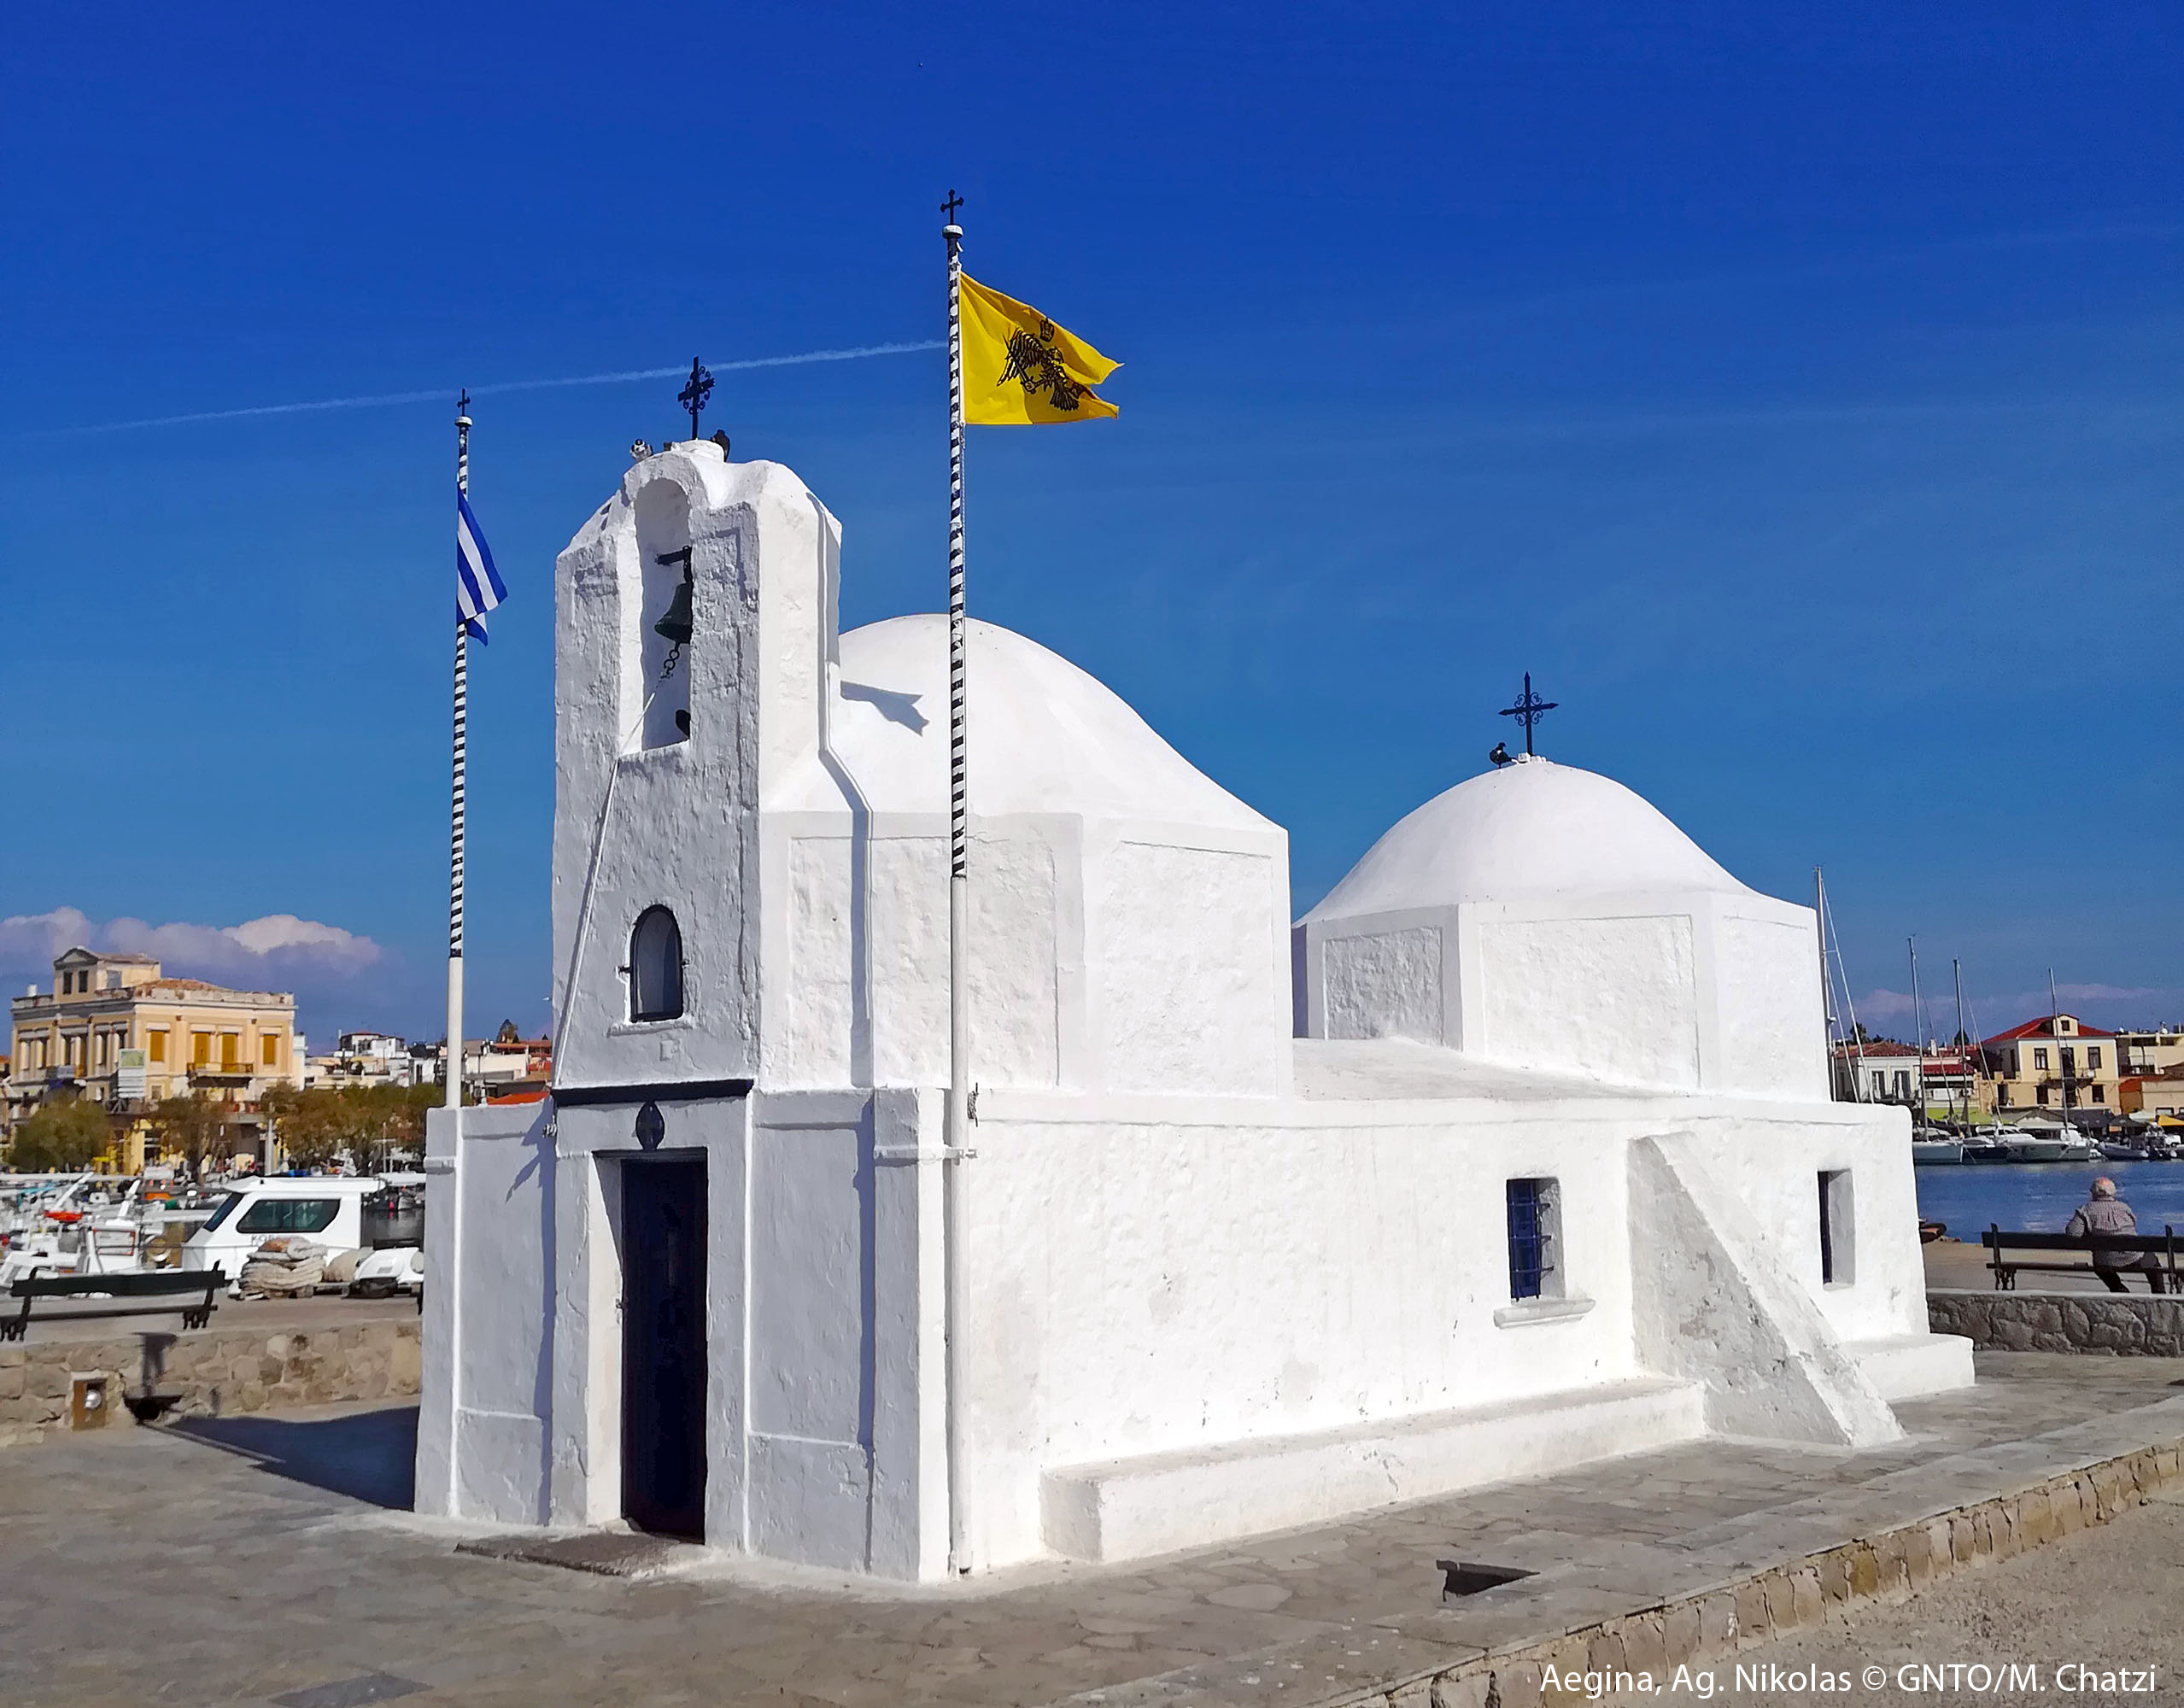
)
(655, 966)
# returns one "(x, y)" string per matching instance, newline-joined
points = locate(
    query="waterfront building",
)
(1878, 1070)
(494, 1066)
(363, 1058)
(1515, 1152)
(2160, 1094)
(117, 1029)
(2159, 1051)
(2054, 1064)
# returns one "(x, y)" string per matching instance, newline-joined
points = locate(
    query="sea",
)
(2038, 1197)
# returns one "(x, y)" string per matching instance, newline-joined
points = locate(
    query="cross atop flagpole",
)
(954, 1192)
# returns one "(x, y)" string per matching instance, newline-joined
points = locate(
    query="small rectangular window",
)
(1535, 1239)
(1837, 1251)
(156, 1045)
(201, 1049)
(2099, 1093)
(2093, 1055)
(269, 1050)
(231, 1047)
(2040, 1061)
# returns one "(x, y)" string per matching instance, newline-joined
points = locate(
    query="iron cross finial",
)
(1529, 709)
(952, 206)
(693, 396)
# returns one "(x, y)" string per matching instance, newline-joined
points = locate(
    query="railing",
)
(221, 1070)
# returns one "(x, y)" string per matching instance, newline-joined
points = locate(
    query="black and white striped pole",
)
(454, 1060)
(954, 1194)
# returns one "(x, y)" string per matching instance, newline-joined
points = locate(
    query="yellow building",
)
(115, 1030)
(2052, 1064)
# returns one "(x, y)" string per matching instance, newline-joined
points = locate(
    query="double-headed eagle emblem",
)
(1035, 364)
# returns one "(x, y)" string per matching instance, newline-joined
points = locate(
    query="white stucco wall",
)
(1162, 1275)
(1153, 1275)
(1581, 933)
(1180, 1243)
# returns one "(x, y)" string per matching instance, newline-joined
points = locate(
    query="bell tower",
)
(694, 625)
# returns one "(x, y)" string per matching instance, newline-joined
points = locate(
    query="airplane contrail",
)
(384, 399)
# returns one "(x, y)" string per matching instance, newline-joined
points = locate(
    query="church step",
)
(1911, 1366)
(1125, 1509)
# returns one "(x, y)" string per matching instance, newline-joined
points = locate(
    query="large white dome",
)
(1044, 736)
(1524, 831)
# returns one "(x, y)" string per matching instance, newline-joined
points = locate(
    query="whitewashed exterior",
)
(1223, 1278)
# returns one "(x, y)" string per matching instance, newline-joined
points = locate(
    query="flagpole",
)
(454, 1066)
(954, 1185)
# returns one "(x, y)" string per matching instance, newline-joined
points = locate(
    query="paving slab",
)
(167, 1565)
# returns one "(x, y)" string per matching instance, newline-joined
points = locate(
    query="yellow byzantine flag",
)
(1020, 370)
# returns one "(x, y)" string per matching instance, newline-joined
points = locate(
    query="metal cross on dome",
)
(1529, 709)
(693, 396)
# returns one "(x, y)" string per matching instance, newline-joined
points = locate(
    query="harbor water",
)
(2039, 1197)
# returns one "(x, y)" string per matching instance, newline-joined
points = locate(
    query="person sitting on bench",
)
(2105, 1213)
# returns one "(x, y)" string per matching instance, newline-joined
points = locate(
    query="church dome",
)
(1526, 831)
(1044, 736)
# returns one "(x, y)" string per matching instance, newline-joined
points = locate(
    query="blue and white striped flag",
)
(478, 583)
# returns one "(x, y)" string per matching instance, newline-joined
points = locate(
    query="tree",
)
(307, 1124)
(190, 1129)
(62, 1136)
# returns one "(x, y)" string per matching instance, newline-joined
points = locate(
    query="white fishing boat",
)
(1930, 1146)
(74, 1244)
(2035, 1142)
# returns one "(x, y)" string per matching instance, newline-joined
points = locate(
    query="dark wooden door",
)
(664, 1345)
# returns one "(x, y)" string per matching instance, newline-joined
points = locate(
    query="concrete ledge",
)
(2123, 1325)
(1908, 1366)
(1124, 1509)
(207, 1372)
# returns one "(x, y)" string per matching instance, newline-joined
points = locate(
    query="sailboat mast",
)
(1827, 983)
(1918, 1026)
(1964, 1047)
(2062, 1063)
(1828, 973)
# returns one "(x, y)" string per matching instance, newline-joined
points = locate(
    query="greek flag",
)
(478, 583)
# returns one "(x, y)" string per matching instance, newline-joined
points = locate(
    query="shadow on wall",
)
(369, 1456)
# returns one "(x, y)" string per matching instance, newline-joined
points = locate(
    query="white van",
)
(327, 1209)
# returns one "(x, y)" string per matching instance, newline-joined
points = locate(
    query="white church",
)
(1514, 1153)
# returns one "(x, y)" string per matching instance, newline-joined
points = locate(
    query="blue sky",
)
(1793, 390)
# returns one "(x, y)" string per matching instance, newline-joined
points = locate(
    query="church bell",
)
(674, 627)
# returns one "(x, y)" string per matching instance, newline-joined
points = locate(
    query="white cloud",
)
(277, 952)
(1883, 1004)
(2107, 993)
(2123, 1005)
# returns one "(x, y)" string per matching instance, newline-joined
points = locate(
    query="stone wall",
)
(1820, 1589)
(2125, 1324)
(208, 1371)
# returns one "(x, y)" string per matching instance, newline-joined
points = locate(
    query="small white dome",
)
(1044, 736)
(1525, 831)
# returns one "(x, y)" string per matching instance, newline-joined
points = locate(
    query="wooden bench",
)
(192, 1288)
(2132, 1248)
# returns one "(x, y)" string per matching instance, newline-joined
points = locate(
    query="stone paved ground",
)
(2094, 1616)
(249, 1558)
